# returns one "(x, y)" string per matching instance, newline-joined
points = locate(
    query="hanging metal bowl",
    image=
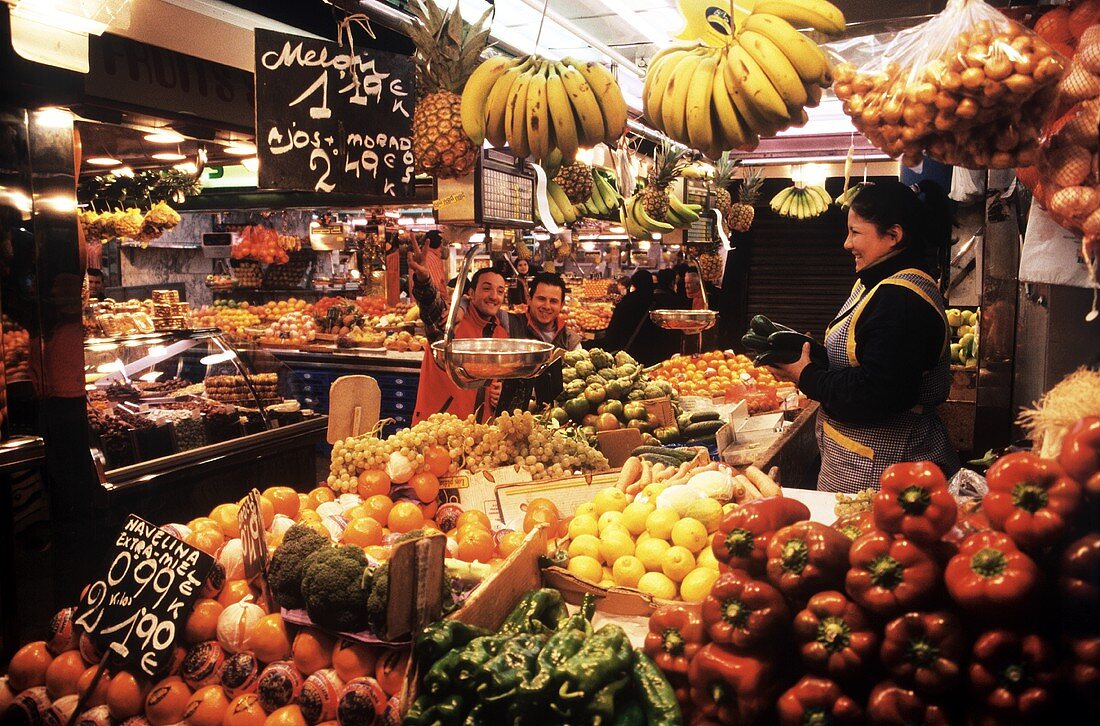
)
(685, 321)
(471, 362)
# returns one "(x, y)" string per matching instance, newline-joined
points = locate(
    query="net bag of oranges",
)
(970, 87)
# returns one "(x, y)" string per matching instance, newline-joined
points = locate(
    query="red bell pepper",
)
(1011, 675)
(675, 635)
(924, 650)
(834, 637)
(1031, 500)
(890, 574)
(1084, 670)
(744, 613)
(913, 500)
(1080, 455)
(854, 526)
(807, 557)
(729, 688)
(816, 700)
(743, 533)
(892, 705)
(1079, 581)
(991, 576)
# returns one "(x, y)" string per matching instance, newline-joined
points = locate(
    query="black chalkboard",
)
(330, 121)
(253, 542)
(145, 595)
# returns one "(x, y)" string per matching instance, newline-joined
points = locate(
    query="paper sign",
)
(711, 22)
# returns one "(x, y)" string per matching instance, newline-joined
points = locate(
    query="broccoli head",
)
(284, 572)
(379, 601)
(336, 585)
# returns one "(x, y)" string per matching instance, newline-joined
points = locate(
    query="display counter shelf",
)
(794, 452)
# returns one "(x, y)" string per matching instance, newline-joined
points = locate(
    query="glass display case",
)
(155, 396)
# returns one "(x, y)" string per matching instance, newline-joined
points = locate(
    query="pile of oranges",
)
(716, 375)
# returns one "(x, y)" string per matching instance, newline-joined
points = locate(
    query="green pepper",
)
(601, 706)
(561, 646)
(516, 662)
(631, 714)
(415, 715)
(657, 696)
(443, 636)
(447, 711)
(601, 659)
(474, 657)
(539, 611)
(439, 677)
(478, 715)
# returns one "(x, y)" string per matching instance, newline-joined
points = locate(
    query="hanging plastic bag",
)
(970, 87)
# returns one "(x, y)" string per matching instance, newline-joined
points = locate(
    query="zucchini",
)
(661, 459)
(786, 340)
(663, 451)
(762, 326)
(703, 428)
(776, 357)
(752, 341)
(703, 416)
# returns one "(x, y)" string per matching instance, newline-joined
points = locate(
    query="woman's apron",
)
(853, 457)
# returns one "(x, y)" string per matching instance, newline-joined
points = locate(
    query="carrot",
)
(763, 482)
(751, 492)
(631, 471)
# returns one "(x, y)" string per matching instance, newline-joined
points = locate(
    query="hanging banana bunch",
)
(535, 106)
(801, 202)
(715, 99)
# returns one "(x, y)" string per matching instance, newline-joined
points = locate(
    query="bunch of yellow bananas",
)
(715, 99)
(639, 224)
(798, 202)
(534, 106)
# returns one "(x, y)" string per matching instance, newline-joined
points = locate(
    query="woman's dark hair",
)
(434, 238)
(924, 214)
(666, 279)
(642, 281)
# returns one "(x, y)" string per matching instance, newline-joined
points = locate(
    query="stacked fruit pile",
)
(801, 202)
(588, 316)
(264, 244)
(602, 200)
(604, 392)
(405, 342)
(719, 98)
(717, 375)
(918, 611)
(291, 329)
(964, 336)
(16, 342)
(229, 317)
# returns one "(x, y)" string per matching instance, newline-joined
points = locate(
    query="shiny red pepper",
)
(854, 526)
(744, 613)
(892, 705)
(729, 688)
(1011, 675)
(1084, 670)
(816, 700)
(743, 533)
(807, 557)
(913, 500)
(1032, 501)
(834, 637)
(1079, 581)
(890, 574)
(924, 650)
(1080, 455)
(990, 576)
(675, 635)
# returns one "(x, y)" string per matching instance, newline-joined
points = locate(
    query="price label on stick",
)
(253, 542)
(143, 599)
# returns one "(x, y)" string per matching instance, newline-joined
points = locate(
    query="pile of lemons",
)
(661, 552)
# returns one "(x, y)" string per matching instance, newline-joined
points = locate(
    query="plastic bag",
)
(970, 87)
(967, 484)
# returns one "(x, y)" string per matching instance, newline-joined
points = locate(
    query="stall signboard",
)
(138, 608)
(330, 118)
(253, 542)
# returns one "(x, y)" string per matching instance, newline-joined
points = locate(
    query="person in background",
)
(630, 327)
(693, 292)
(95, 284)
(665, 295)
(888, 346)
(434, 260)
(518, 289)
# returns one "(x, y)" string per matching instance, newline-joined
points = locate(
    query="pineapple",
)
(723, 175)
(575, 179)
(667, 165)
(447, 52)
(711, 265)
(742, 213)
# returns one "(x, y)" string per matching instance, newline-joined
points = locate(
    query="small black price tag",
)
(254, 543)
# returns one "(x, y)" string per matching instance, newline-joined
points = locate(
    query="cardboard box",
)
(568, 494)
(616, 445)
(662, 409)
(478, 491)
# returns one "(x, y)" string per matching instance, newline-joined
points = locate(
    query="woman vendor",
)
(888, 346)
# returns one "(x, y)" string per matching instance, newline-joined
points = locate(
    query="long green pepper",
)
(604, 656)
(657, 697)
(539, 611)
(516, 662)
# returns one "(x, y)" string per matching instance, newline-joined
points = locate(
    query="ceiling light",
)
(169, 156)
(617, 229)
(240, 148)
(102, 161)
(187, 167)
(165, 136)
(252, 164)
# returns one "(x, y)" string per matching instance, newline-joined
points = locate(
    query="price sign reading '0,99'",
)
(145, 596)
(333, 119)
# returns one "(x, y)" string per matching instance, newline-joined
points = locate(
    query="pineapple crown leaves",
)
(448, 49)
(751, 183)
(668, 162)
(724, 169)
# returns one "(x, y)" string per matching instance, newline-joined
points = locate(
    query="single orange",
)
(438, 460)
(203, 523)
(373, 481)
(235, 591)
(126, 696)
(245, 711)
(312, 650)
(390, 670)
(475, 545)
(167, 701)
(303, 502)
(425, 485)
(535, 517)
(405, 517)
(285, 500)
(357, 512)
(307, 516)
(474, 515)
(510, 542)
(267, 511)
(470, 527)
(207, 540)
(428, 509)
(319, 496)
(378, 508)
(99, 695)
(352, 659)
(28, 666)
(286, 716)
(202, 623)
(63, 673)
(362, 532)
(226, 517)
(543, 503)
(269, 640)
(207, 707)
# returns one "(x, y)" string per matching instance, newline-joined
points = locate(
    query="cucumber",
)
(703, 416)
(786, 340)
(678, 453)
(661, 459)
(752, 341)
(683, 420)
(703, 428)
(762, 326)
(776, 357)
(706, 441)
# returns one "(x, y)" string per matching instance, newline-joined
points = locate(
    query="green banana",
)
(682, 210)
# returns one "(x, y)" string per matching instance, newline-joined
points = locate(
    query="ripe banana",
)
(608, 95)
(731, 130)
(538, 116)
(808, 59)
(757, 86)
(555, 192)
(656, 82)
(589, 116)
(697, 110)
(555, 211)
(475, 95)
(817, 14)
(515, 116)
(628, 222)
(673, 110)
(561, 115)
(778, 69)
(497, 105)
(777, 201)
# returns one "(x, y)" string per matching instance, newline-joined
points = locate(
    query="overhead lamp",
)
(165, 136)
(169, 156)
(616, 229)
(252, 163)
(240, 148)
(102, 161)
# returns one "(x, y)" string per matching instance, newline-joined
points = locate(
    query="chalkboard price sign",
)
(145, 596)
(253, 541)
(332, 120)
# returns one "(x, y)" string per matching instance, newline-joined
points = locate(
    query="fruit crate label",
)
(145, 595)
(332, 120)
(251, 523)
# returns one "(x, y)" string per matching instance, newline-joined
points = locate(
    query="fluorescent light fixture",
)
(150, 376)
(647, 29)
(644, 245)
(54, 118)
(102, 161)
(252, 163)
(406, 221)
(541, 236)
(477, 237)
(240, 148)
(103, 348)
(165, 136)
(616, 229)
(213, 359)
(157, 350)
(391, 214)
(169, 156)
(112, 367)
(814, 174)
(656, 235)
(63, 15)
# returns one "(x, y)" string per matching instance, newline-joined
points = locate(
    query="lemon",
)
(586, 568)
(706, 558)
(677, 562)
(650, 552)
(697, 584)
(657, 585)
(651, 492)
(608, 518)
(606, 583)
(607, 574)
(587, 508)
(690, 533)
(659, 523)
(611, 499)
(615, 544)
(708, 511)
(642, 537)
(582, 524)
(628, 570)
(586, 544)
(618, 528)
(634, 516)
